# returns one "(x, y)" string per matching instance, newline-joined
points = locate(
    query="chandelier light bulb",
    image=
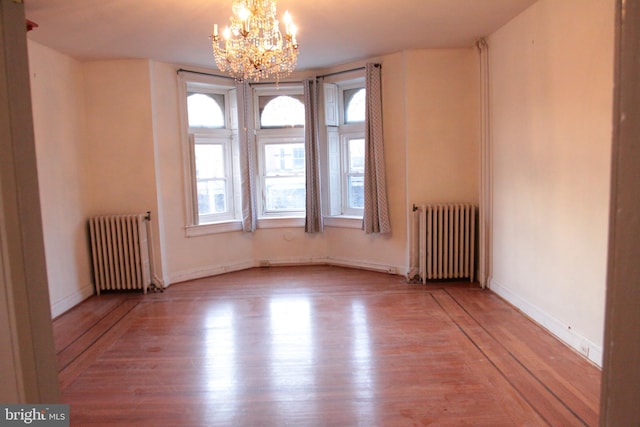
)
(287, 22)
(243, 13)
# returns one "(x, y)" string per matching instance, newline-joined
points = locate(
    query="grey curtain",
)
(247, 157)
(376, 210)
(313, 219)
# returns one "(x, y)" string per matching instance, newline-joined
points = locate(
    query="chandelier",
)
(252, 46)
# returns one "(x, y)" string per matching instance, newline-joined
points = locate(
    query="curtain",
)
(313, 218)
(376, 210)
(247, 157)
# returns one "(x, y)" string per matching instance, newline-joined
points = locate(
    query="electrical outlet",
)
(392, 270)
(584, 349)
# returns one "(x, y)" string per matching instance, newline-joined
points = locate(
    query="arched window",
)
(205, 110)
(354, 105)
(282, 111)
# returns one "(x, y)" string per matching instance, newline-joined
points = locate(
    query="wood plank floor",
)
(317, 346)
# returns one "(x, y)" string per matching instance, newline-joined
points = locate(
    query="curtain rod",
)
(295, 82)
(182, 70)
(346, 71)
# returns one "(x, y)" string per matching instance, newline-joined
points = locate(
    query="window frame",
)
(196, 224)
(275, 135)
(341, 133)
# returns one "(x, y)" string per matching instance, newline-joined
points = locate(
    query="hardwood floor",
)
(317, 346)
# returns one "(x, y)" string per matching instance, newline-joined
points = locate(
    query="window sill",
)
(282, 222)
(343, 221)
(213, 228)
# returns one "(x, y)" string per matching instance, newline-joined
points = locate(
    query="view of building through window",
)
(210, 178)
(355, 173)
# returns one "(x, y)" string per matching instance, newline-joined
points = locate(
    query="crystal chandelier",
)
(252, 46)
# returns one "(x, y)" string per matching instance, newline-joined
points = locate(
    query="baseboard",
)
(199, 273)
(70, 301)
(366, 265)
(562, 331)
(290, 261)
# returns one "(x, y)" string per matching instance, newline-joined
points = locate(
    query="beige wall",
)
(57, 91)
(443, 127)
(120, 136)
(551, 97)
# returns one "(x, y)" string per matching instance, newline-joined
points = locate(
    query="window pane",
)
(281, 111)
(354, 105)
(211, 197)
(356, 155)
(209, 161)
(356, 192)
(205, 110)
(285, 193)
(284, 159)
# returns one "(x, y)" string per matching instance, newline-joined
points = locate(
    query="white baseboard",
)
(338, 262)
(366, 265)
(199, 273)
(70, 301)
(562, 331)
(290, 261)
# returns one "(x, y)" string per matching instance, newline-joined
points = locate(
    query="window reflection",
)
(361, 355)
(292, 349)
(221, 370)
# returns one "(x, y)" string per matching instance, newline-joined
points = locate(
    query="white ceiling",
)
(330, 32)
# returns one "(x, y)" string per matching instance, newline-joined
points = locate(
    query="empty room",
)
(237, 212)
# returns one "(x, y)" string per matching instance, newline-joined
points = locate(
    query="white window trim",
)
(282, 89)
(343, 221)
(279, 219)
(187, 82)
(213, 228)
(347, 217)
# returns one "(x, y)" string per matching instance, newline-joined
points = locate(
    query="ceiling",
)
(330, 32)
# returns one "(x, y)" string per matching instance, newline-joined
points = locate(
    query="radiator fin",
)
(120, 252)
